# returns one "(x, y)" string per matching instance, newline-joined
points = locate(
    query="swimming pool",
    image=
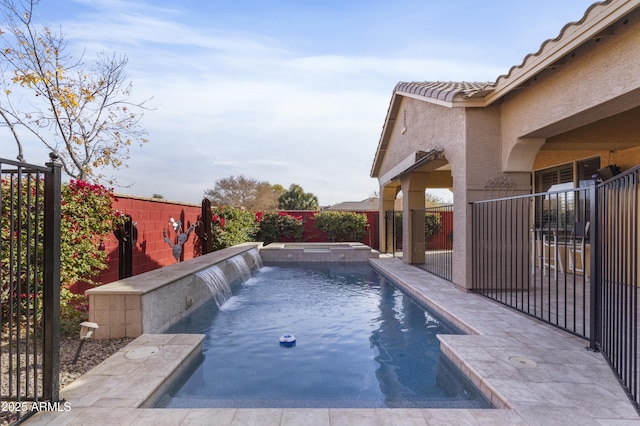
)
(360, 342)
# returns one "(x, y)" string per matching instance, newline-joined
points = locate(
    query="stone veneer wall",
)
(151, 302)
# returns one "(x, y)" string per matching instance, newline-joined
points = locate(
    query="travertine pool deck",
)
(539, 375)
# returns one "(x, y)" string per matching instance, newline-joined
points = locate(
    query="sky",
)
(288, 91)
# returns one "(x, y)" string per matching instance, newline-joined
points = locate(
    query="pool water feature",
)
(360, 342)
(219, 286)
(242, 267)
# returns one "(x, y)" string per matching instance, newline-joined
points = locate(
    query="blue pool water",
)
(360, 342)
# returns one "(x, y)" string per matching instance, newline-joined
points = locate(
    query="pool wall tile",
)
(317, 252)
(153, 301)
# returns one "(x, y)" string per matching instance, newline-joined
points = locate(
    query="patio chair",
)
(576, 245)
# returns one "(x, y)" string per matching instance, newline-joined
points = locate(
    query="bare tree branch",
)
(80, 110)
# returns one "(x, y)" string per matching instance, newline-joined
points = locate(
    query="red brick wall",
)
(314, 235)
(152, 216)
(150, 251)
(443, 239)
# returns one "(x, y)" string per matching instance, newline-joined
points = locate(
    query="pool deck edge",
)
(540, 374)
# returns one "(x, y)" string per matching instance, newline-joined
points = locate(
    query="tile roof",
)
(445, 91)
(370, 204)
(595, 21)
(532, 64)
(547, 44)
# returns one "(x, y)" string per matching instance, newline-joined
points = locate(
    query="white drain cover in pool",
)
(142, 352)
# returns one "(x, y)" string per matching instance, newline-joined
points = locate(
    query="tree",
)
(244, 192)
(81, 111)
(267, 197)
(296, 199)
(432, 200)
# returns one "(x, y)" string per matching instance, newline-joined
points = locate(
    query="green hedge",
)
(231, 226)
(341, 226)
(432, 223)
(279, 226)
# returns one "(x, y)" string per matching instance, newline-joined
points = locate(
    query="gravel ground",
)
(93, 353)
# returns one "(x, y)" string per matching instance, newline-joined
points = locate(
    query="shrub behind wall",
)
(341, 226)
(279, 226)
(231, 226)
(152, 216)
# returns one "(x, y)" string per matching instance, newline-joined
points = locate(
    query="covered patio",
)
(567, 110)
(567, 113)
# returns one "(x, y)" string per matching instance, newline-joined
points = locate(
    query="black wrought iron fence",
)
(569, 258)
(616, 264)
(439, 241)
(530, 252)
(30, 288)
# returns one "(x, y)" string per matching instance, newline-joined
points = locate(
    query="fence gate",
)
(30, 288)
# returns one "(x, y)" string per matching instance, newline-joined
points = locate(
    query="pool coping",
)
(150, 302)
(317, 252)
(534, 374)
(538, 371)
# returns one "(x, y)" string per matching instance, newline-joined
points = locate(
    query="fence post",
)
(203, 228)
(596, 256)
(126, 233)
(51, 281)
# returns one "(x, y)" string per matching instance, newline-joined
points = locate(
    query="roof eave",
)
(389, 122)
(572, 36)
(459, 101)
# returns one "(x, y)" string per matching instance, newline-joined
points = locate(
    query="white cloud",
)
(234, 102)
(311, 120)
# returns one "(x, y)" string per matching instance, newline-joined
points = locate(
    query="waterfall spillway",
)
(215, 279)
(257, 259)
(242, 267)
(219, 279)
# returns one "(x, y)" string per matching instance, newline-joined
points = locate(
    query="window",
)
(564, 209)
(586, 169)
(546, 178)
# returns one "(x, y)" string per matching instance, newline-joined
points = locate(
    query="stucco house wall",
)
(481, 161)
(593, 83)
(421, 126)
(577, 98)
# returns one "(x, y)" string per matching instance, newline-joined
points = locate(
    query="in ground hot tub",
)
(316, 252)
